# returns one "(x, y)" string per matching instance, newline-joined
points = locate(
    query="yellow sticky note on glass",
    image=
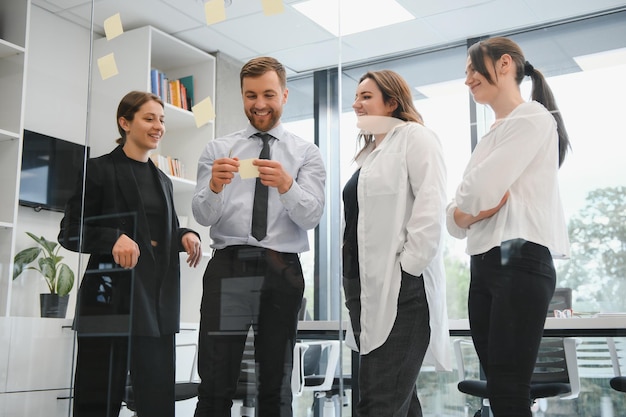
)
(247, 170)
(214, 11)
(271, 7)
(107, 66)
(203, 112)
(113, 26)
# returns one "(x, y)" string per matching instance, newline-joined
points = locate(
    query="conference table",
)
(601, 324)
(588, 325)
(591, 325)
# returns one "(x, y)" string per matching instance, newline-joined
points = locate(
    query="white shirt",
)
(401, 196)
(289, 215)
(519, 154)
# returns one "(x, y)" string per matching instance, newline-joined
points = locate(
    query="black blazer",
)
(112, 207)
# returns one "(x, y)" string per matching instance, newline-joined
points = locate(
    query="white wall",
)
(57, 77)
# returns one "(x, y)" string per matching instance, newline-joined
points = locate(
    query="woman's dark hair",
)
(129, 105)
(259, 66)
(394, 88)
(494, 48)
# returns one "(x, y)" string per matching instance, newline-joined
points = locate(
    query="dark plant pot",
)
(53, 305)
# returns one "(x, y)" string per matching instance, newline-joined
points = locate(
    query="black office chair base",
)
(618, 383)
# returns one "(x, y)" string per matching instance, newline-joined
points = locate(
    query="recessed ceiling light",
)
(356, 15)
(445, 88)
(604, 59)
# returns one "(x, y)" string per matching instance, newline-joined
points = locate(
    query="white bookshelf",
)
(13, 44)
(136, 52)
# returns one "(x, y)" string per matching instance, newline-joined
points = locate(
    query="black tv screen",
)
(50, 169)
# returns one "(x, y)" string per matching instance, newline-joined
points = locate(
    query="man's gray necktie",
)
(259, 209)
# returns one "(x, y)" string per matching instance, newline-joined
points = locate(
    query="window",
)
(584, 63)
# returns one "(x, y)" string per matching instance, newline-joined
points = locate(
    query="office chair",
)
(555, 375)
(618, 382)
(183, 390)
(315, 368)
(561, 300)
(247, 383)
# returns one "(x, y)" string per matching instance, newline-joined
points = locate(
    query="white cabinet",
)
(35, 404)
(13, 38)
(5, 343)
(40, 354)
(36, 369)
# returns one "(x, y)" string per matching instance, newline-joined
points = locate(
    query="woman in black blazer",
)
(128, 308)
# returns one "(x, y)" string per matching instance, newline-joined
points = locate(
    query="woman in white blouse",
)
(393, 272)
(508, 206)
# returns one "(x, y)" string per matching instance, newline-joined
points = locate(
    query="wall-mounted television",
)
(50, 169)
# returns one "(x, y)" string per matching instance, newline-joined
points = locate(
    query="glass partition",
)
(81, 58)
(202, 46)
(580, 68)
(62, 78)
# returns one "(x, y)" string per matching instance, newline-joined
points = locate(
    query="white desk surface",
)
(607, 321)
(320, 325)
(600, 321)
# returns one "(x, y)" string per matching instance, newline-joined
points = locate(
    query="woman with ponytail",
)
(508, 206)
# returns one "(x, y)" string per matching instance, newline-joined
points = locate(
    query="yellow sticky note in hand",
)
(247, 170)
(271, 7)
(203, 112)
(107, 66)
(113, 26)
(214, 11)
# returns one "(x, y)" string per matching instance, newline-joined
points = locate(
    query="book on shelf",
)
(154, 82)
(164, 87)
(171, 166)
(177, 92)
(158, 83)
(187, 82)
(183, 97)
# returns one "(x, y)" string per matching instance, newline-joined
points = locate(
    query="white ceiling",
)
(303, 46)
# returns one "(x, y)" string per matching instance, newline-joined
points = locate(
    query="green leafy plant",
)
(58, 276)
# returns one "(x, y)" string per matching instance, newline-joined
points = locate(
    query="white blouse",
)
(520, 154)
(401, 195)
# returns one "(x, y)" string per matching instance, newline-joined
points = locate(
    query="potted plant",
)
(59, 277)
